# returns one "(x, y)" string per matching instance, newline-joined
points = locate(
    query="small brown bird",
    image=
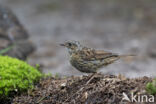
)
(89, 60)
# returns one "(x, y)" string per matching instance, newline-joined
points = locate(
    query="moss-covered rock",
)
(16, 75)
(151, 87)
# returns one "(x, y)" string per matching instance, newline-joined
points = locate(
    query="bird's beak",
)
(62, 45)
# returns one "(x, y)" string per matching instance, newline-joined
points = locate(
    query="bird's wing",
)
(91, 54)
(100, 54)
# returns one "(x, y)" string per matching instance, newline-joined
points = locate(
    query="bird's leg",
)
(91, 78)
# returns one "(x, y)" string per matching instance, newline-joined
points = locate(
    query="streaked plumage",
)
(88, 60)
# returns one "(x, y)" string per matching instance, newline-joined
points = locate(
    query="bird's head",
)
(71, 45)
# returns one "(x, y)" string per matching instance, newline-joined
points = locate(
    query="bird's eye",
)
(69, 44)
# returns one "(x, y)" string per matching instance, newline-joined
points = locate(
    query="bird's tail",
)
(123, 56)
(127, 58)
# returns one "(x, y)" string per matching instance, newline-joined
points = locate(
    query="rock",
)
(21, 50)
(4, 43)
(13, 35)
(10, 27)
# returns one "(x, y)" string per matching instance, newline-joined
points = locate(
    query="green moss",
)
(16, 75)
(151, 87)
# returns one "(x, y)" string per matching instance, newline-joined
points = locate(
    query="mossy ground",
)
(151, 87)
(16, 76)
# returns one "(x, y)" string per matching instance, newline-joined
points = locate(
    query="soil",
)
(102, 89)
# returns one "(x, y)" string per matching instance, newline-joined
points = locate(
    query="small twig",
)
(42, 98)
(75, 93)
(91, 78)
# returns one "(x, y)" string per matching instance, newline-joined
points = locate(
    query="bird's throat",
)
(71, 51)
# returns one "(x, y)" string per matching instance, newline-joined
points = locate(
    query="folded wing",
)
(91, 54)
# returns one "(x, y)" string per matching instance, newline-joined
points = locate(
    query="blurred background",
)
(120, 26)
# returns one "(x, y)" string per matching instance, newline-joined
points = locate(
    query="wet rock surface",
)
(103, 89)
(13, 36)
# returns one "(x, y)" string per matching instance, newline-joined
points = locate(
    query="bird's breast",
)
(75, 60)
(81, 65)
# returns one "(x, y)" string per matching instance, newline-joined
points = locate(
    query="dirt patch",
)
(106, 89)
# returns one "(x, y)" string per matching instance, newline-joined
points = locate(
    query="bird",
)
(89, 60)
